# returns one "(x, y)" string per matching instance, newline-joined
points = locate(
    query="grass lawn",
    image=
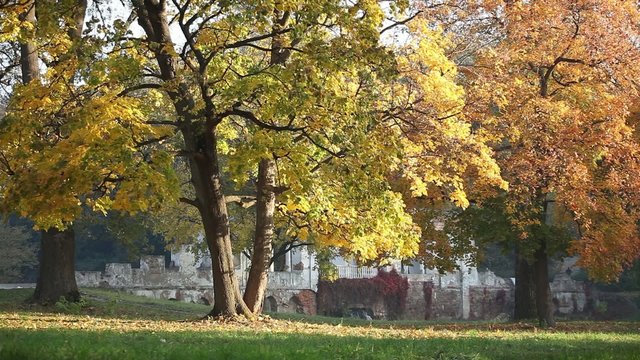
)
(110, 325)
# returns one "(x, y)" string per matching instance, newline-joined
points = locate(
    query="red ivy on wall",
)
(337, 297)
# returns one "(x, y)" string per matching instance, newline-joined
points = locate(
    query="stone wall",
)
(419, 300)
(463, 294)
(491, 302)
(189, 279)
(569, 296)
(152, 274)
(350, 297)
(459, 295)
(446, 304)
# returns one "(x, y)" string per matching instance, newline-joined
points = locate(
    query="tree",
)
(555, 95)
(57, 269)
(307, 96)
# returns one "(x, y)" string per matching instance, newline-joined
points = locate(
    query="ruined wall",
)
(465, 294)
(490, 302)
(291, 301)
(569, 296)
(603, 305)
(189, 279)
(446, 304)
(425, 300)
(152, 274)
(346, 296)
(459, 295)
(419, 295)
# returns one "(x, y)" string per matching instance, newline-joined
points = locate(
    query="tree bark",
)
(544, 305)
(57, 278)
(525, 300)
(79, 13)
(205, 177)
(28, 50)
(264, 234)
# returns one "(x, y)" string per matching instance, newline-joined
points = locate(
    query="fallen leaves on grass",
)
(265, 324)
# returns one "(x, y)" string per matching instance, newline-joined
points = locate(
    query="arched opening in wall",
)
(270, 304)
(295, 305)
(204, 301)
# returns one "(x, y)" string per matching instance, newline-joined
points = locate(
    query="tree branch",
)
(151, 141)
(340, 154)
(139, 87)
(192, 202)
(251, 117)
(244, 201)
(7, 166)
(248, 41)
(401, 22)
(285, 248)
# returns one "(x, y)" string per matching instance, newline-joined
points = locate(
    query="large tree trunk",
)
(544, 305)
(205, 177)
(263, 242)
(57, 277)
(525, 300)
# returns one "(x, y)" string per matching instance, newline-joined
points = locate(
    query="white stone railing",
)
(355, 272)
(289, 280)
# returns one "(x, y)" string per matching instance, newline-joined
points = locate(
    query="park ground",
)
(112, 325)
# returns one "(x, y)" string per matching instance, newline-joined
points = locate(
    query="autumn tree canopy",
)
(73, 138)
(552, 91)
(305, 96)
(308, 95)
(60, 119)
(558, 92)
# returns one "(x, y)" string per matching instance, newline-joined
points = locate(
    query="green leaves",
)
(74, 139)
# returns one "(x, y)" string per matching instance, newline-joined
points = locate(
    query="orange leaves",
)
(556, 87)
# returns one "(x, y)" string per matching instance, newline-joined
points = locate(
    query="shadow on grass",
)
(106, 304)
